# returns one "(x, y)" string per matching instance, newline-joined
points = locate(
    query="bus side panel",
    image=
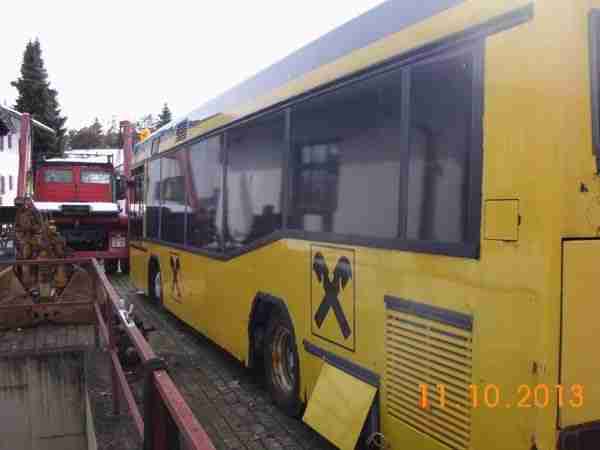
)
(581, 332)
(138, 260)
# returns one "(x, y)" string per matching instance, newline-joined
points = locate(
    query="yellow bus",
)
(400, 223)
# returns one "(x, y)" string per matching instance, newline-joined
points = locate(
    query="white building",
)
(10, 131)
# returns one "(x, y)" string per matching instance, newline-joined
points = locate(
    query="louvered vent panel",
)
(181, 131)
(430, 346)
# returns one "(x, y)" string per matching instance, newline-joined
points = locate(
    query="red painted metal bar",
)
(126, 391)
(144, 350)
(127, 153)
(169, 399)
(102, 324)
(189, 427)
(114, 378)
(24, 154)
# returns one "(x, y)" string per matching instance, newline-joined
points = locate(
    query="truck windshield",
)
(58, 176)
(95, 176)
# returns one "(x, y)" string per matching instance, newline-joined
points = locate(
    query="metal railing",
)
(166, 422)
(166, 417)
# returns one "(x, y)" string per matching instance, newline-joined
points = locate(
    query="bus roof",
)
(377, 23)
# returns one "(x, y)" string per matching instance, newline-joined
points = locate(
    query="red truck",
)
(81, 194)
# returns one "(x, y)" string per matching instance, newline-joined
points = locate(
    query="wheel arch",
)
(263, 306)
(153, 261)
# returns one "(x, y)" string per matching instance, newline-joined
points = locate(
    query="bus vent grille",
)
(181, 131)
(432, 347)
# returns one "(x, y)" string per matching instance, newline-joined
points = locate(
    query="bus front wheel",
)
(155, 283)
(124, 263)
(110, 266)
(282, 368)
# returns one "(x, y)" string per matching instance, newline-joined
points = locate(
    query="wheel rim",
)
(157, 287)
(283, 360)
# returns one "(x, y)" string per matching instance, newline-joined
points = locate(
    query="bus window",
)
(254, 168)
(172, 189)
(136, 210)
(153, 200)
(347, 151)
(440, 136)
(205, 210)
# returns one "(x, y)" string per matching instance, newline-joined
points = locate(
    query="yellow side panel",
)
(581, 333)
(501, 221)
(339, 406)
(138, 260)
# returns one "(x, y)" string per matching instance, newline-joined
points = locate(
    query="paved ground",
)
(230, 402)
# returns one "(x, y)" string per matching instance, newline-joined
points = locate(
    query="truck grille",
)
(85, 237)
(429, 346)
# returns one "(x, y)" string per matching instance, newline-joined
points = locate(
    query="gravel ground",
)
(229, 401)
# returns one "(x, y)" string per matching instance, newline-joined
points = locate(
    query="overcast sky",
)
(125, 58)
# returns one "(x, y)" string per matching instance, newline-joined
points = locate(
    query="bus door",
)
(580, 365)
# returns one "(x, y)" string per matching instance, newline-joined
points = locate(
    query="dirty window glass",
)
(173, 197)
(58, 176)
(136, 210)
(205, 196)
(254, 175)
(153, 200)
(95, 176)
(440, 141)
(347, 153)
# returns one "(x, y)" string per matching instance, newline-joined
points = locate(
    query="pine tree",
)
(164, 116)
(37, 98)
(87, 137)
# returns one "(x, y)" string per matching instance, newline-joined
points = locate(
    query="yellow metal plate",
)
(580, 396)
(501, 220)
(339, 406)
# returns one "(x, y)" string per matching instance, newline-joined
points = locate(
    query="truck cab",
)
(80, 193)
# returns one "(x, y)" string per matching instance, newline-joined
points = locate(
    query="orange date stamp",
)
(491, 396)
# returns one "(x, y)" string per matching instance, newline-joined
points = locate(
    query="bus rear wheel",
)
(282, 368)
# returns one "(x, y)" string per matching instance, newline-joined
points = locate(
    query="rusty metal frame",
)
(167, 423)
(171, 417)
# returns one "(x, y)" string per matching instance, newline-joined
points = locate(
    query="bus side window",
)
(254, 180)
(440, 130)
(153, 200)
(347, 155)
(172, 193)
(136, 220)
(205, 197)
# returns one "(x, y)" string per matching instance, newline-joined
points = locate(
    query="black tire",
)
(110, 266)
(154, 286)
(282, 373)
(124, 263)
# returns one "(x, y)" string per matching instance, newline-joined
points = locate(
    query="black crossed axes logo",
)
(175, 267)
(341, 275)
